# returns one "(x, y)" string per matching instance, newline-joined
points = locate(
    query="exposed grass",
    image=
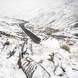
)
(65, 47)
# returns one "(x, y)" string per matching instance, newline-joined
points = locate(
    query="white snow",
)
(57, 14)
(51, 43)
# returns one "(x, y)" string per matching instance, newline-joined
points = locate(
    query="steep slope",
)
(62, 16)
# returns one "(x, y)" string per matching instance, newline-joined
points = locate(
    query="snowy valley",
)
(56, 56)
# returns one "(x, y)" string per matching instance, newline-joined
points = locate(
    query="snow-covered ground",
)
(55, 22)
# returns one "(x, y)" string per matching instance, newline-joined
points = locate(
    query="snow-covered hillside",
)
(60, 16)
(56, 23)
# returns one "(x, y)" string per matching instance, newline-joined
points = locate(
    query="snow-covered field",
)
(55, 22)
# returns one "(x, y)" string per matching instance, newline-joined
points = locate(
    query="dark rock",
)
(6, 43)
(76, 25)
(60, 36)
(49, 31)
(76, 34)
(30, 34)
